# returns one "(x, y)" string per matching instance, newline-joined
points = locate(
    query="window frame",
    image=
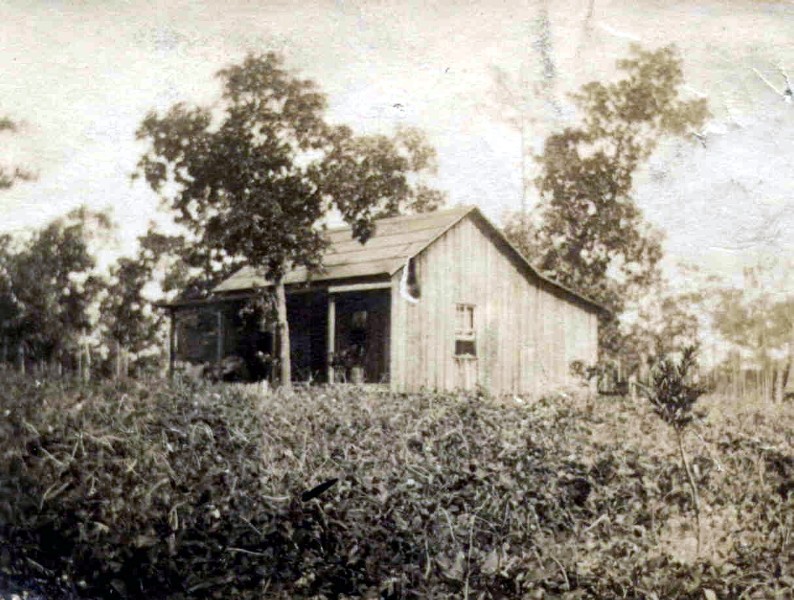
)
(465, 329)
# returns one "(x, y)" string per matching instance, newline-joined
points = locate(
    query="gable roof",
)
(395, 241)
(527, 267)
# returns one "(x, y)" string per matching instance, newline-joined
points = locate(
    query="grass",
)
(194, 491)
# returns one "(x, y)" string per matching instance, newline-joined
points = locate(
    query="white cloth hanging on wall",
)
(405, 291)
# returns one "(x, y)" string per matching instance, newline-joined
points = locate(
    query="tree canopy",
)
(254, 177)
(48, 284)
(587, 231)
(757, 319)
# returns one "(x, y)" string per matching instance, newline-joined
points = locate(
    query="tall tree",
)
(51, 284)
(757, 318)
(253, 177)
(126, 316)
(587, 231)
(9, 305)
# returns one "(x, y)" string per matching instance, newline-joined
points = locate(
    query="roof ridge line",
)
(461, 207)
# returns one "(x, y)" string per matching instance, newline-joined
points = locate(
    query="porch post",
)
(219, 341)
(331, 337)
(172, 344)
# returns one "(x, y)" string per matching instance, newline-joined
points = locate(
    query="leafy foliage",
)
(48, 284)
(126, 314)
(255, 177)
(672, 394)
(673, 397)
(757, 319)
(195, 491)
(587, 232)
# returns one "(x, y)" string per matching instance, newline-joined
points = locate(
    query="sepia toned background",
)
(82, 75)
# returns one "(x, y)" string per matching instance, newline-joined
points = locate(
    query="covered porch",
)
(338, 334)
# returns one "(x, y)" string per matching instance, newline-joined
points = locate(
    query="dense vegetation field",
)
(191, 491)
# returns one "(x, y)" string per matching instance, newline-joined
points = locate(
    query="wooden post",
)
(331, 337)
(171, 344)
(778, 384)
(790, 369)
(219, 342)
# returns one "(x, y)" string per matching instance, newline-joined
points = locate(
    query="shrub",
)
(673, 395)
(200, 491)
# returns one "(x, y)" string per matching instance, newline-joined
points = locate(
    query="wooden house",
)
(439, 301)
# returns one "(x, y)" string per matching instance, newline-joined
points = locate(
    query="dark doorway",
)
(362, 335)
(308, 318)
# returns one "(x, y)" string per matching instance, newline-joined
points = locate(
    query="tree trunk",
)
(643, 371)
(790, 368)
(769, 383)
(778, 382)
(285, 363)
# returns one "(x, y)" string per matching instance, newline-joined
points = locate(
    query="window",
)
(465, 339)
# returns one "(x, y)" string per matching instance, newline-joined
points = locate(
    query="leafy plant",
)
(49, 284)
(180, 491)
(673, 397)
(587, 231)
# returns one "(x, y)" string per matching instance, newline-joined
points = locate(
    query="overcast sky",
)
(82, 75)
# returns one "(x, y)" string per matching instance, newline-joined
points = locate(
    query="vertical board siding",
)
(526, 336)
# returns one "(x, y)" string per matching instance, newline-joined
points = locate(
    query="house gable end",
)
(495, 235)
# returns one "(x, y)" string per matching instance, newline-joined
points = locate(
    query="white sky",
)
(82, 75)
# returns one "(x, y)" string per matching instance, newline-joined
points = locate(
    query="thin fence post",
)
(219, 343)
(171, 345)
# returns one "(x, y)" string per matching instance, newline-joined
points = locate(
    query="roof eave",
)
(436, 237)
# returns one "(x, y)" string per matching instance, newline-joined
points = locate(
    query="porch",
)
(338, 334)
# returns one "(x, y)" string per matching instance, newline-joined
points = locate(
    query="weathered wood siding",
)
(527, 333)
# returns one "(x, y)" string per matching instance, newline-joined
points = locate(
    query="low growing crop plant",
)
(195, 491)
